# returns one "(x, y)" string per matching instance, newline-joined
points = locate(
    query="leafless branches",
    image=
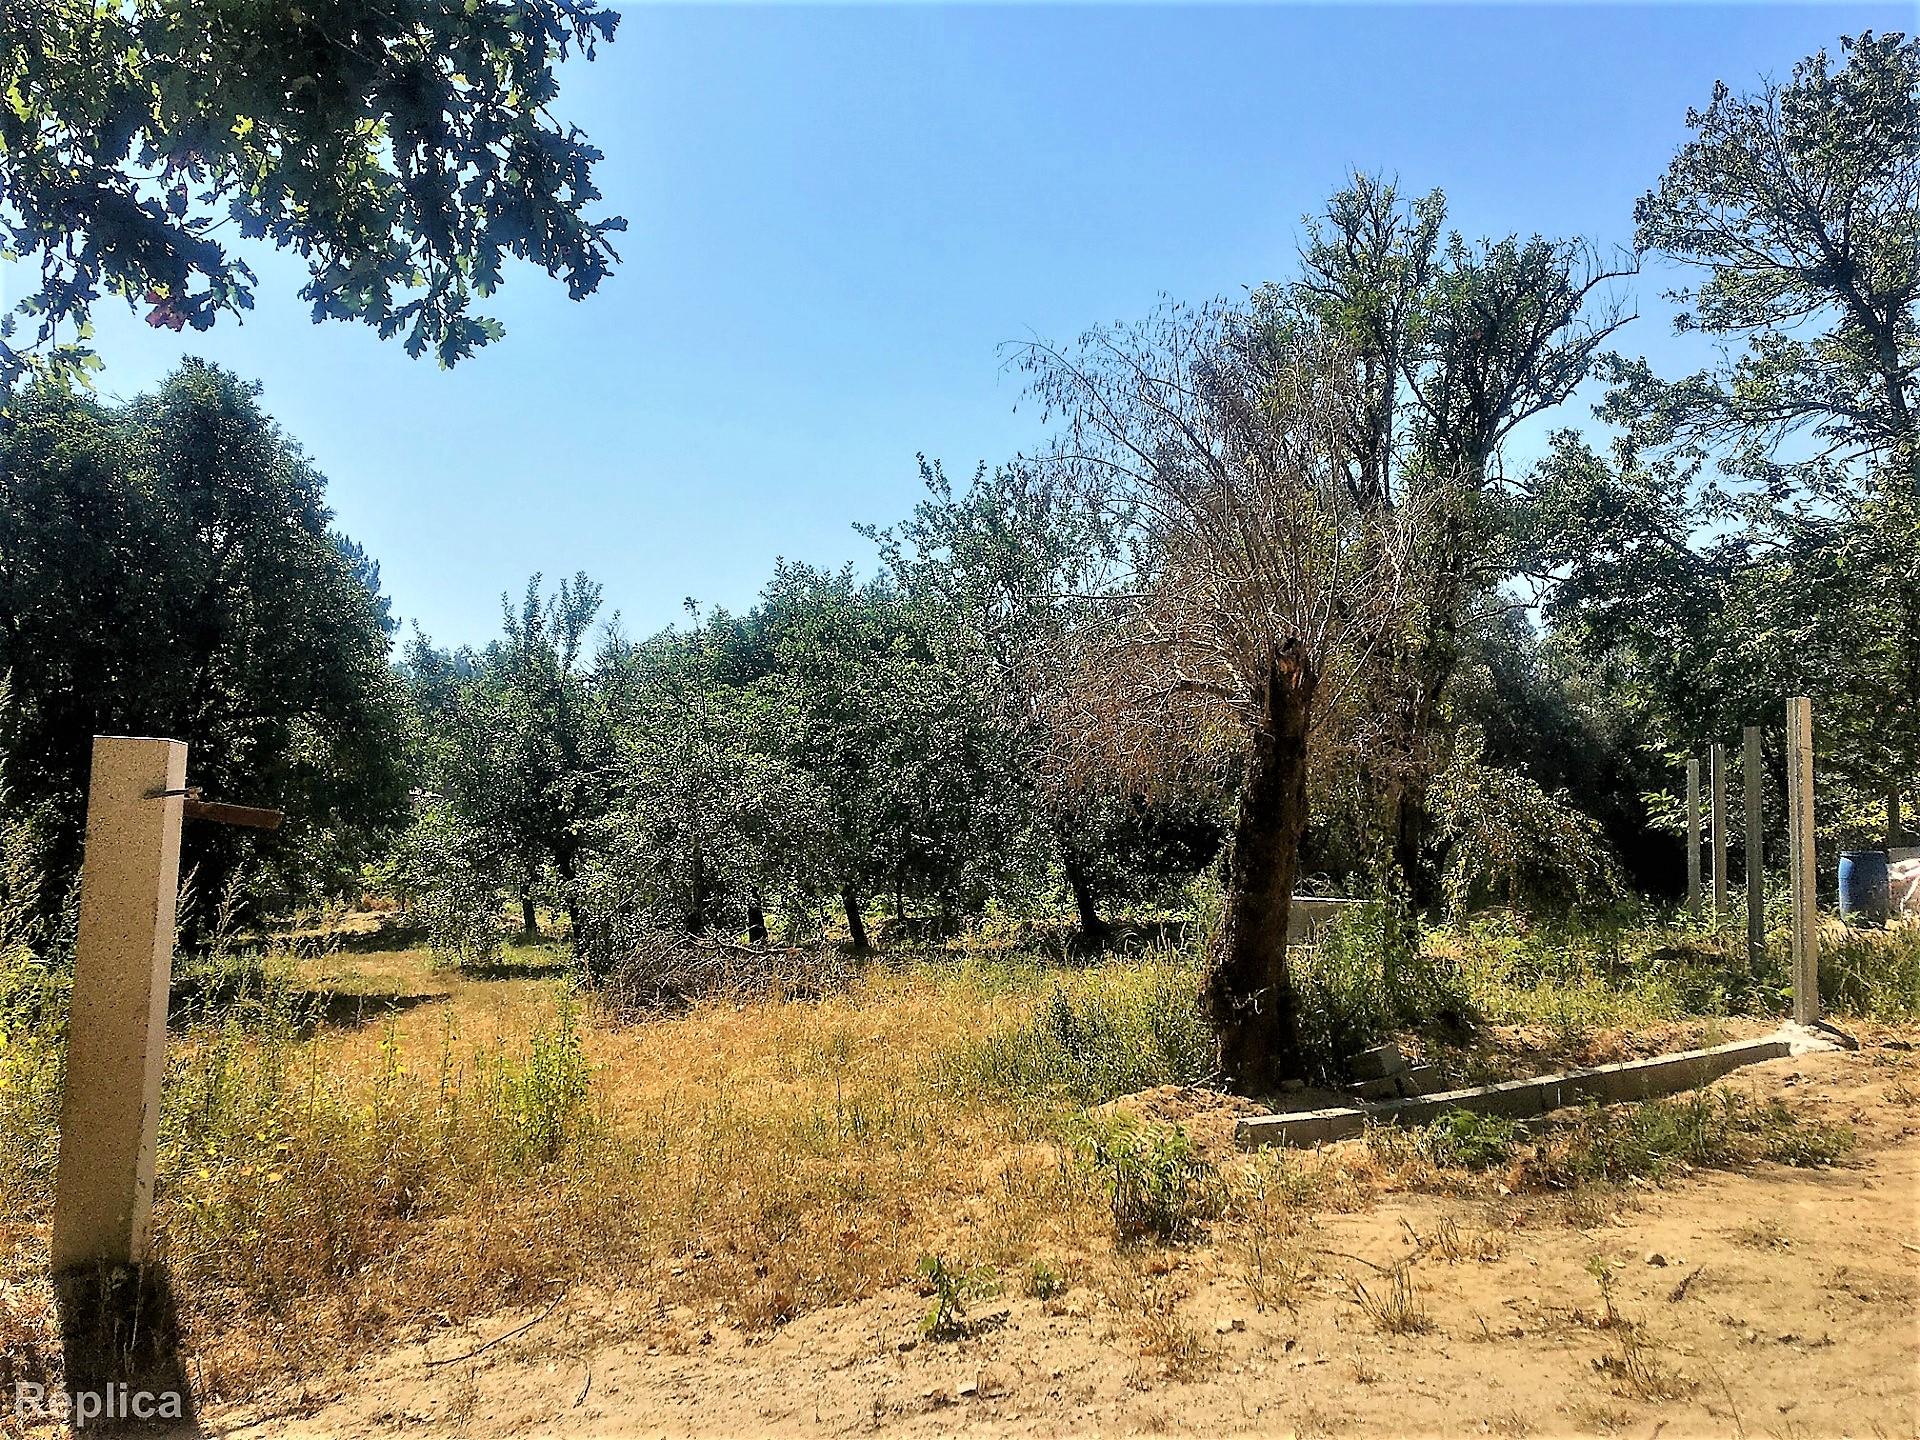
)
(1214, 442)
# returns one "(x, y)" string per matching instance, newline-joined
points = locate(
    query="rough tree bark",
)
(1093, 930)
(1249, 993)
(856, 922)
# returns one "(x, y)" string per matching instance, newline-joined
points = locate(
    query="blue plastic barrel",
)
(1864, 887)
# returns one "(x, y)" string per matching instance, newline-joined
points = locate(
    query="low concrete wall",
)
(1607, 1084)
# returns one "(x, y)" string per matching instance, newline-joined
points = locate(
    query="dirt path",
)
(1779, 1302)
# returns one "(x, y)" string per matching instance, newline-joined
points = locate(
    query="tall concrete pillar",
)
(116, 1050)
(1693, 837)
(1800, 846)
(1756, 849)
(1717, 799)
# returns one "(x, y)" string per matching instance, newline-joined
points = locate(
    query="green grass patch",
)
(1655, 1139)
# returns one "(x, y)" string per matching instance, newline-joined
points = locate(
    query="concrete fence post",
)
(1693, 837)
(1717, 799)
(1800, 847)
(1756, 849)
(117, 1029)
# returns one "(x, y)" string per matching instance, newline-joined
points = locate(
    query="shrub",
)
(1873, 973)
(535, 1106)
(1368, 976)
(1157, 1187)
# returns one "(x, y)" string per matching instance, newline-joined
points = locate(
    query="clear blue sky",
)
(838, 215)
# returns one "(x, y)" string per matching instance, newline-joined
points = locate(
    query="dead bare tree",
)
(1253, 579)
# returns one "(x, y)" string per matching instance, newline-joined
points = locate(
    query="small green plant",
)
(950, 1288)
(1157, 1187)
(1464, 1140)
(1040, 1281)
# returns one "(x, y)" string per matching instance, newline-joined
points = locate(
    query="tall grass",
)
(1092, 1037)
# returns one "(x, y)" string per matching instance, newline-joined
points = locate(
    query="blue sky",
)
(839, 215)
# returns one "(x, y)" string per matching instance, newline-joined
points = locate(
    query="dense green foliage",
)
(404, 151)
(168, 566)
(1754, 531)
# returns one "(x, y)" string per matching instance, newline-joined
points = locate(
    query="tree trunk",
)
(529, 922)
(1093, 930)
(1249, 995)
(856, 922)
(563, 861)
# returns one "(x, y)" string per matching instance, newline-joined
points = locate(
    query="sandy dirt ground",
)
(1777, 1302)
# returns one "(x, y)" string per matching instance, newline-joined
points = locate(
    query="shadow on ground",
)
(120, 1341)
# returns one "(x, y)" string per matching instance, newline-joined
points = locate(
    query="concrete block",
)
(1519, 1099)
(1377, 1063)
(1419, 1080)
(1308, 915)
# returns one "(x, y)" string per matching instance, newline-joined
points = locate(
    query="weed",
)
(1094, 1037)
(950, 1287)
(1469, 1141)
(1260, 1220)
(1041, 1281)
(1168, 1338)
(1368, 975)
(1874, 973)
(1395, 1308)
(1655, 1138)
(1636, 1369)
(1602, 1274)
(1454, 1245)
(1157, 1187)
(1763, 1234)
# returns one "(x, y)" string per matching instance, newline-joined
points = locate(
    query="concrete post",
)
(1756, 849)
(1693, 837)
(117, 1026)
(1717, 798)
(1800, 846)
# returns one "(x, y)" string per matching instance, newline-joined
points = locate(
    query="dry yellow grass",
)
(748, 1160)
(446, 1146)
